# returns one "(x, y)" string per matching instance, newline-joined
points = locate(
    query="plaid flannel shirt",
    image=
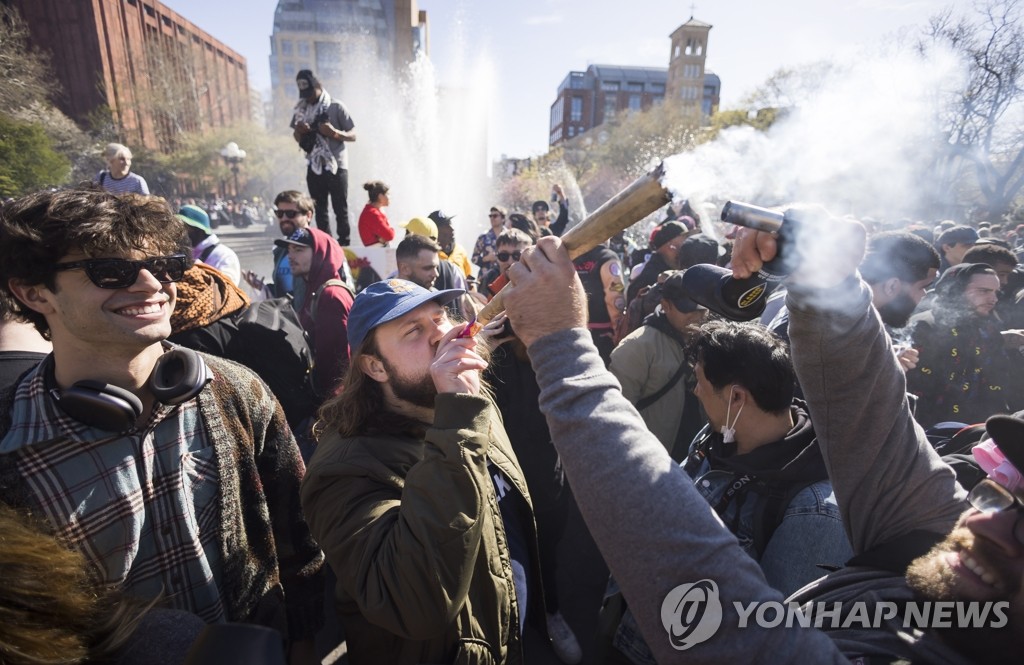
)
(142, 506)
(270, 567)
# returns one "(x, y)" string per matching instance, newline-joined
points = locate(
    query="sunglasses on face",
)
(290, 214)
(494, 214)
(122, 273)
(505, 256)
(989, 496)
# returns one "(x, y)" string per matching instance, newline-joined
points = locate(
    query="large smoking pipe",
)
(744, 299)
(645, 195)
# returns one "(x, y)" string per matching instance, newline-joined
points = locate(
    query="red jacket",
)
(374, 226)
(329, 332)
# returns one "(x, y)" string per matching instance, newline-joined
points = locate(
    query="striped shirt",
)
(130, 184)
(142, 506)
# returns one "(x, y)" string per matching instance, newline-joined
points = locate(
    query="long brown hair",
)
(359, 406)
(51, 611)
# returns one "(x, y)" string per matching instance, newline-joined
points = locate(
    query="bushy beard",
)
(418, 392)
(931, 578)
(896, 314)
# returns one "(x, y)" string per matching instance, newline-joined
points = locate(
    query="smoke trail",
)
(859, 143)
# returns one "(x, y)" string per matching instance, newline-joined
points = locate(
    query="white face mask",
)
(729, 430)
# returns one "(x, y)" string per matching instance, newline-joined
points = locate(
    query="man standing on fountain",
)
(321, 127)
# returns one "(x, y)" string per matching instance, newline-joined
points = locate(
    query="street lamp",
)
(233, 155)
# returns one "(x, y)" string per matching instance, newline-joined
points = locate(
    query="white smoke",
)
(860, 143)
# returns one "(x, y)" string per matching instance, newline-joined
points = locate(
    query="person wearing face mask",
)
(760, 449)
(757, 463)
(321, 126)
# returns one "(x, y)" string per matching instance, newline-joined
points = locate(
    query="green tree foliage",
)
(28, 161)
(196, 167)
(597, 165)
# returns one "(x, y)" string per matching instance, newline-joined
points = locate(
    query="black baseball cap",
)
(300, 237)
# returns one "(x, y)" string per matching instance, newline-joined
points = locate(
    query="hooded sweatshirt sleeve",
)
(652, 527)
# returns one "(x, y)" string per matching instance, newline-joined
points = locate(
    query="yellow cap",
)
(421, 227)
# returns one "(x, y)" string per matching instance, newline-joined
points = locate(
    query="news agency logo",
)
(691, 613)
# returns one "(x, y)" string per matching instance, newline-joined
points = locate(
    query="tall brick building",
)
(589, 99)
(157, 73)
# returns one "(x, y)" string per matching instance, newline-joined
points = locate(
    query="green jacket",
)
(413, 531)
(644, 362)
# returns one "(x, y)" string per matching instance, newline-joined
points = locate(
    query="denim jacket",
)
(809, 533)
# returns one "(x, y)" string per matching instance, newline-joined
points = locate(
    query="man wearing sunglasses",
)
(509, 246)
(917, 536)
(191, 495)
(294, 211)
(483, 251)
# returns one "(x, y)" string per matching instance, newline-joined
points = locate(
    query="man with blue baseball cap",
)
(415, 495)
(206, 246)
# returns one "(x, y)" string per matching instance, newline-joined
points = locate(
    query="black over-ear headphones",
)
(178, 376)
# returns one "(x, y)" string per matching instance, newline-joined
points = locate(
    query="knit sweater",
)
(271, 566)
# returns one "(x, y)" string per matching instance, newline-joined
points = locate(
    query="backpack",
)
(645, 302)
(270, 340)
(316, 295)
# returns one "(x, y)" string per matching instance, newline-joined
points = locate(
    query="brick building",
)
(157, 73)
(589, 99)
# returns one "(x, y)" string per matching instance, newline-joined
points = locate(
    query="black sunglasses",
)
(290, 214)
(505, 256)
(122, 273)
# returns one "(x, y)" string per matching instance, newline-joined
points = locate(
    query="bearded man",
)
(416, 496)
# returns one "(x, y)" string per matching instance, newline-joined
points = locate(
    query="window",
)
(289, 70)
(286, 47)
(689, 46)
(149, 11)
(576, 109)
(556, 116)
(577, 83)
(304, 49)
(610, 106)
(635, 86)
(133, 2)
(572, 131)
(634, 102)
(610, 86)
(657, 88)
(675, 51)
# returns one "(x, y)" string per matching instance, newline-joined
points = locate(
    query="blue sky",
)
(533, 44)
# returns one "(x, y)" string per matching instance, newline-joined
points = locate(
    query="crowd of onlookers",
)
(188, 443)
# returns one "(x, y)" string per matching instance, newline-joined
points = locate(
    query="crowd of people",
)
(175, 455)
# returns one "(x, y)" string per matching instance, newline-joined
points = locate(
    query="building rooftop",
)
(653, 74)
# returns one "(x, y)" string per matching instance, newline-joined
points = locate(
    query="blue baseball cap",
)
(195, 217)
(387, 300)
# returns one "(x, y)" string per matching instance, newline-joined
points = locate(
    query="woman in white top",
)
(118, 178)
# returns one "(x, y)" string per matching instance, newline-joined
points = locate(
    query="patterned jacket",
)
(269, 565)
